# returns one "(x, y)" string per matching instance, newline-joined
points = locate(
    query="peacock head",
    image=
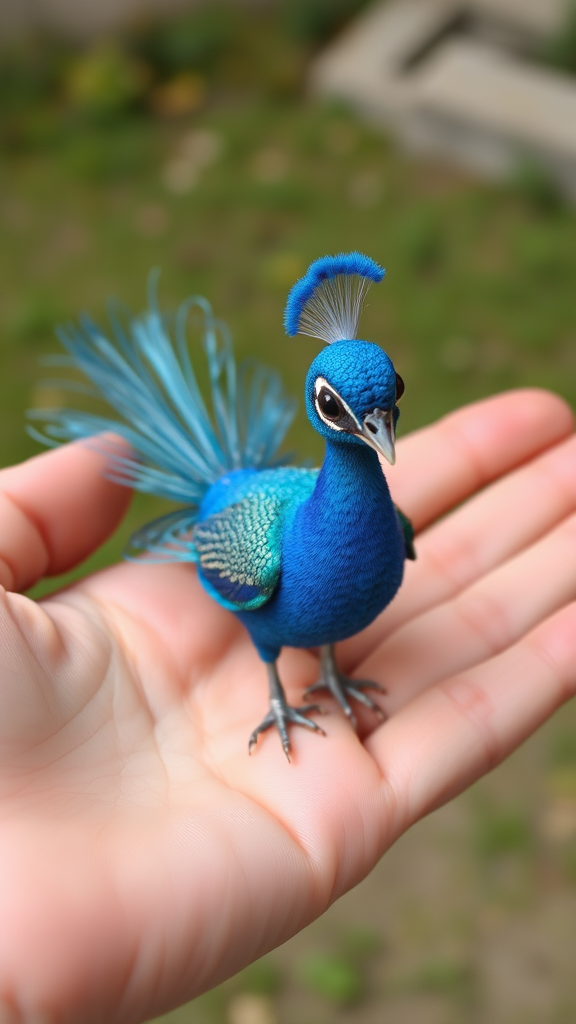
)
(352, 388)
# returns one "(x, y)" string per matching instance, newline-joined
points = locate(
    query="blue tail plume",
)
(178, 445)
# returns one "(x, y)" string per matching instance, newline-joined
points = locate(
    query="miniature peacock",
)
(303, 557)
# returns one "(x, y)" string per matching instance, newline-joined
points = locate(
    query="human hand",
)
(144, 857)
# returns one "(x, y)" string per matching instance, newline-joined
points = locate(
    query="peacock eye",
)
(400, 386)
(328, 405)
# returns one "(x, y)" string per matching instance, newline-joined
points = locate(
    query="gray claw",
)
(367, 684)
(341, 687)
(315, 688)
(282, 715)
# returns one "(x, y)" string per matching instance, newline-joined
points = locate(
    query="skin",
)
(144, 857)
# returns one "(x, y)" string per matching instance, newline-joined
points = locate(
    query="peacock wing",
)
(239, 550)
(408, 531)
(167, 539)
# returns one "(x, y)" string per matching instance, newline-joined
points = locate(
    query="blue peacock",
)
(282, 547)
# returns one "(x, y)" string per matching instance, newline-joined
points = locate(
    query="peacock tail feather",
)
(179, 444)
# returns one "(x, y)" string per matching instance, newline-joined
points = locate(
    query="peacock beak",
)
(378, 432)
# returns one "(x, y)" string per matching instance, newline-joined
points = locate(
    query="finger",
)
(483, 620)
(455, 732)
(55, 509)
(501, 521)
(443, 464)
(492, 526)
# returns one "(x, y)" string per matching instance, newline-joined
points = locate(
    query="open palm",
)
(144, 856)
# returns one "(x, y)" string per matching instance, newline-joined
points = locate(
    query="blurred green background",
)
(191, 146)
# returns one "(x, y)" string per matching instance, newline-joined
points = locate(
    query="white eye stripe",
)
(322, 383)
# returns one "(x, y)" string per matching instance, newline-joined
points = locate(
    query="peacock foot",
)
(282, 715)
(341, 687)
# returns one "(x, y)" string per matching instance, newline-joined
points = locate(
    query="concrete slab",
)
(471, 82)
(538, 17)
(366, 65)
(485, 109)
(416, 68)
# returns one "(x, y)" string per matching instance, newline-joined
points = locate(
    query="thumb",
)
(55, 510)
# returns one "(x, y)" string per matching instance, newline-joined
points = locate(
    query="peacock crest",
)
(326, 303)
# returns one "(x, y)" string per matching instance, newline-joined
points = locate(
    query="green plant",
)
(499, 832)
(314, 21)
(105, 80)
(29, 70)
(194, 42)
(562, 749)
(442, 974)
(261, 977)
(334, 977)
(361, 943)
(559, 51)
(420, 239)
(537, 186)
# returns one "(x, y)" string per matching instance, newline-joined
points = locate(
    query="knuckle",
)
(486, 617)
(471, 702)
(451, 555)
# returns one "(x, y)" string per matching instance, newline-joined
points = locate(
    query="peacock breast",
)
(342, 559)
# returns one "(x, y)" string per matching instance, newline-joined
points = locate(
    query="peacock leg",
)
(281, 714)
(341, 687)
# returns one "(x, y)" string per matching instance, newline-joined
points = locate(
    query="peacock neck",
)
(351, 477)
